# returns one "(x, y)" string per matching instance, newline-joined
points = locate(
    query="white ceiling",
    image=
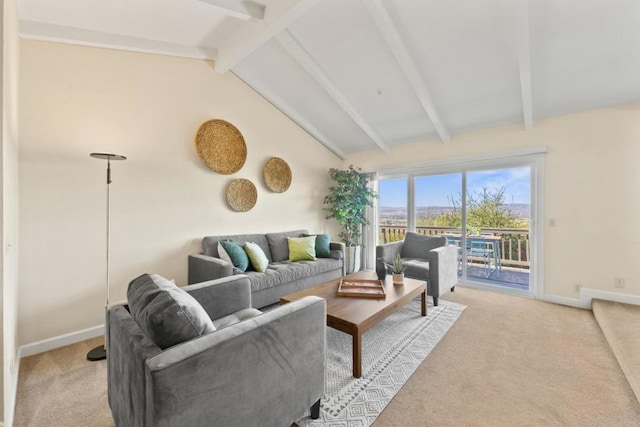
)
(365, 74)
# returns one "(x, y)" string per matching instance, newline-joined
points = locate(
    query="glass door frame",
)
(536, 220)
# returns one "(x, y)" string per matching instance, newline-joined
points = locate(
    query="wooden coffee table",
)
(354, 316)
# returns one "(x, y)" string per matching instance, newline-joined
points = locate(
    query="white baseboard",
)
(586, 295)
(61, 341)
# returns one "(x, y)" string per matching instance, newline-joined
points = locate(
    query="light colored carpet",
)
(511, 361)
(391, 352)
(506, 361)
(620, 324)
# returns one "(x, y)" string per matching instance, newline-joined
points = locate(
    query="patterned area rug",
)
(391, 352)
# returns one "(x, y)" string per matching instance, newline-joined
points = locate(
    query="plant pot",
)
(352, 259)
(398, 278)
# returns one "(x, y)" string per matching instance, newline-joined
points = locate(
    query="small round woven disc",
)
(277, 175)
(221, 146)
(241, 195)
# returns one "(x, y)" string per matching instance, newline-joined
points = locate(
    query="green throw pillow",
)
(257, 257)
(322, 245)
(302, 248)
(238, 256)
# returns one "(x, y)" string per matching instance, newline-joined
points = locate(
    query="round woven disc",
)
(241, 195)
(221, 146)
(277, 175)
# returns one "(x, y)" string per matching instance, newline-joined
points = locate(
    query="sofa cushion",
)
(416, 268)
(323, 243)
(236, 253)
(302, 248)
(418, 246)
(287, 271)
(257, 257)
(167, 314)
(278, 243)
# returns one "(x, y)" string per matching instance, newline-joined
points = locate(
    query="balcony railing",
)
(514, 242)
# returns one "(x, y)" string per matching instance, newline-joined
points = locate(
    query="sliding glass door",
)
(498, 212)
(485, 211)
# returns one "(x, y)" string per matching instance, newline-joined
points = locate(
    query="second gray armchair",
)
(427, 258)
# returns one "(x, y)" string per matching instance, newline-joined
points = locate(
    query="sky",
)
(433, 190)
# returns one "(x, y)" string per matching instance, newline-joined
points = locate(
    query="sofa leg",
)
(315, 410)
(435, 301)
(453, 289)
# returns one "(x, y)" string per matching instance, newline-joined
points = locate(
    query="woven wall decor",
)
(221, 146)
(277, 175)
(241, 195)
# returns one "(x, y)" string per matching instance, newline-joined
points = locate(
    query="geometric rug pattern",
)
(391, 351)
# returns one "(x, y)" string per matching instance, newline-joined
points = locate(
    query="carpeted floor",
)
(511, 361)
(506, 361)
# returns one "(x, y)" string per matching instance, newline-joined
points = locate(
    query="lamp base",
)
(98, 353)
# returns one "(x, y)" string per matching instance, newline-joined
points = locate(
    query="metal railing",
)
(514, 242)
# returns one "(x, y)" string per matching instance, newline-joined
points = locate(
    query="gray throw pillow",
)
(167, 314)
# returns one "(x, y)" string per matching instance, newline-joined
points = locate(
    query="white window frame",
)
(532, 157)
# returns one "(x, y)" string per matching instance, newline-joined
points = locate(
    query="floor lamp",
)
(100, 352)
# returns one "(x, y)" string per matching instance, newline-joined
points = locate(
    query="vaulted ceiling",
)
(370, 74)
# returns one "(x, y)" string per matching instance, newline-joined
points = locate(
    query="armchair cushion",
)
(236, 317)
(418, 246)
(167, 314)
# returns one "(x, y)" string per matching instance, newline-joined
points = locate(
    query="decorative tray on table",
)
(361, 288)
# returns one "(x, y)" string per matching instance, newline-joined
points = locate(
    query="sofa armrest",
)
(203, 268)
(261, 371)
(443, 269)
(338, 251)
(388, 251)
(221, 297)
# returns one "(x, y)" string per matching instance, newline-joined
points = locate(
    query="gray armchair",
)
(427, 258)
(200, 355)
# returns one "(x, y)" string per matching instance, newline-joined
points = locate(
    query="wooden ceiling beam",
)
(524, 60)
(300, 54)
(402, 55)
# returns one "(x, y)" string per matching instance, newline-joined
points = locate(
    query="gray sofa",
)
(200, 355)
(282, 276)
(427, 258)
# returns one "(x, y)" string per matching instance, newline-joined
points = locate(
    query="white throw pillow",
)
(223, 254)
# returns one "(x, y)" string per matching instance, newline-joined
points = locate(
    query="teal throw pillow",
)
(257, 257)
(302, 248)
(238, 256)
(322, 245)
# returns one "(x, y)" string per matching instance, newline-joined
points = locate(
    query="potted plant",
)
(347, 202)
(398, 270)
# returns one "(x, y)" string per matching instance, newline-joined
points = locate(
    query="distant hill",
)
(520, 210)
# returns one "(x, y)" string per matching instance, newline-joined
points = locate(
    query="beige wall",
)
(9, 192)
(592, 190)
(76, 100)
